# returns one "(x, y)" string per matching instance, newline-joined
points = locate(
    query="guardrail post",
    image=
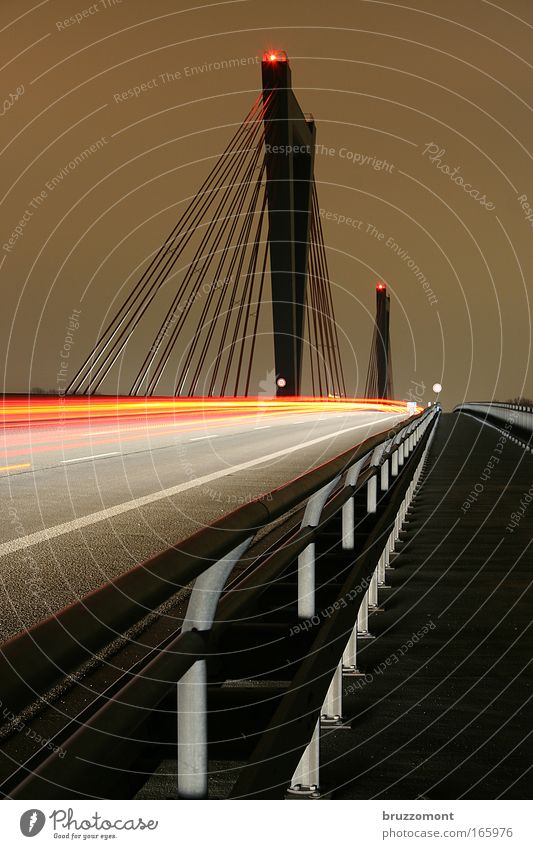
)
(192, 687)
(401, 455)
(394, 463)
(331, 716)
(384, 472)
(349, 657)
(384, 479)
(408, 445)
(305, 781)
(373, 590)
(382, 565)
(192, 733)
(362, 616)
(348, 508)
(306, 560)
(372, 485)
(348, 524)
(372, 494)
(391, 542)
(306, 582)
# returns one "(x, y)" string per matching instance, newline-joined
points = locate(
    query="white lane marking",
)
(101, 515)
(262, 427)
(91, 457)
(196, 438)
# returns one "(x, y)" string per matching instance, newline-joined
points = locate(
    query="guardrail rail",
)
(513, 420)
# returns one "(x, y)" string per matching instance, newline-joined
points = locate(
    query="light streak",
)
(37, 411)
(33, 425)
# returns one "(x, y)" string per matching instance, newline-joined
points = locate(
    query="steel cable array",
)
(215, 260)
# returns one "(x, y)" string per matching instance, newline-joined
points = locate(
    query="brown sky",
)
(383, 80)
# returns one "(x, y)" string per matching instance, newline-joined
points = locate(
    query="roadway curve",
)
(82, 503)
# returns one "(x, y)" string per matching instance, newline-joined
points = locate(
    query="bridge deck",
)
(450, 718)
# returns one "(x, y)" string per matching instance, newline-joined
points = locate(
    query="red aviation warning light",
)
(380, 287)
(274, 56)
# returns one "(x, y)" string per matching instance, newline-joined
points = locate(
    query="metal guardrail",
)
(317, 689)
(33, 662)
(513, 420)
(388, 461)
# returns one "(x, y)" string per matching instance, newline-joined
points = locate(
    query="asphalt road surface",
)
(81, 504)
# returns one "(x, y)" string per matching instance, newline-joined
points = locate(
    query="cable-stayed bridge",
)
(212, 590)
(250, 242)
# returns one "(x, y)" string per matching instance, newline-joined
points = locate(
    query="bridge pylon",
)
(379, 379)
(289, 152)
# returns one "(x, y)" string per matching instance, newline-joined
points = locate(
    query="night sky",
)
(424, 143)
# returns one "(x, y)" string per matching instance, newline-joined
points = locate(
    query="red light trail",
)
(38, 425)
(58, 411)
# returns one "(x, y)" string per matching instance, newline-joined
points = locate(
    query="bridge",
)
(282, 593)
